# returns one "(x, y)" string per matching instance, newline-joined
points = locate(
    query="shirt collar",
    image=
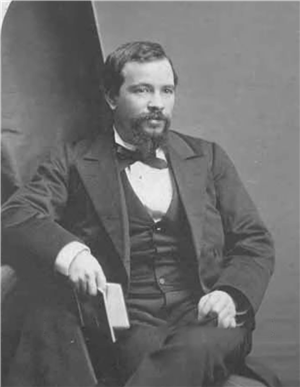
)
(120, 141)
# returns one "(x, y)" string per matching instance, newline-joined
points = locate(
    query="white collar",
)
(121, 142)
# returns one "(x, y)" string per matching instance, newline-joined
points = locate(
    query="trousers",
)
(166, 348)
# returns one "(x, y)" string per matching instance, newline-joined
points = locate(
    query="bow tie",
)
(128, 157)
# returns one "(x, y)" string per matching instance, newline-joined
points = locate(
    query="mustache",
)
(159, 116)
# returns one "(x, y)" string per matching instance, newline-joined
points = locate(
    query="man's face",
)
(143, 108)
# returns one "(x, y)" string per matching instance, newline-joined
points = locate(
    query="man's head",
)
(139, 83)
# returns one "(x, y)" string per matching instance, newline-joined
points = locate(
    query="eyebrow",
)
(172, 86)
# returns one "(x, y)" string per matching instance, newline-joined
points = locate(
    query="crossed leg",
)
(190, 356)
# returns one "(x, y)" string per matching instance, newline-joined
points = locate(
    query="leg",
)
(134, 346)
(52, 351)
(193, 356)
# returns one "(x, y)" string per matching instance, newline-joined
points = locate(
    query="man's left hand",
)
(222, 304)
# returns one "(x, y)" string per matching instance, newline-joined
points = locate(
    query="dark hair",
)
(130, 52)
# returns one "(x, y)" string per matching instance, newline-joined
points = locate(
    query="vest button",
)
(162, 281)
(158, 227)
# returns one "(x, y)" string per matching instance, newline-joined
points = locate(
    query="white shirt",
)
(152, 186)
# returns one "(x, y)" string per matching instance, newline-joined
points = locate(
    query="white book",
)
(115, 307)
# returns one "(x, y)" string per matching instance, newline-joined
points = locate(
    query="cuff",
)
(66, 256)
(244, 309)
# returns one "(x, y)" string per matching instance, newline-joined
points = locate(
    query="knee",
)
(201, 346)
(195, 339)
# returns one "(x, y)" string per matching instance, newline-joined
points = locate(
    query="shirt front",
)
(152, 186)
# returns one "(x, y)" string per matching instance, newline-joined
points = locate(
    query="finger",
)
(212, 302)
(227, 309)
(208, 308)
(202, 302)
(224, 313)
(217, 306)
(224, 305)
(203, 308)
(223, 297)
(73, 275)
(227, 322)
(77, 286)
(224, 322)
(74, 280)
(100, 279)
(92, 286)
(82, 286)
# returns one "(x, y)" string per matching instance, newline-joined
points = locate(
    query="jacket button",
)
(162, 281)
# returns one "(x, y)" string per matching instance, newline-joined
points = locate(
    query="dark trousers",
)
(167, 348)
(191, 356)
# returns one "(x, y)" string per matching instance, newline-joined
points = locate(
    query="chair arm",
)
(242, 381)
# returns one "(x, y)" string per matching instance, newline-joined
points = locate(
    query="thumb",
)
(202, 307)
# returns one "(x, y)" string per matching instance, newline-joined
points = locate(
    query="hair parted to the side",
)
(141, 52)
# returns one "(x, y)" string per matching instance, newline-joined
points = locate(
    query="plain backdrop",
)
(238, 66)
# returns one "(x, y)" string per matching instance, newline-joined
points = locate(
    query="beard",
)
(147, 141)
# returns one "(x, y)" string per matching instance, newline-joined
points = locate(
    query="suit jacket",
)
(77, 195)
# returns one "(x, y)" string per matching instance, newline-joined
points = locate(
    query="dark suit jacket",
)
(77, 195)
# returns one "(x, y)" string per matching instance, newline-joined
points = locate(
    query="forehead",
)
(155, 72)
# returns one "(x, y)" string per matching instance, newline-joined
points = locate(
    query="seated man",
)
(162, 213)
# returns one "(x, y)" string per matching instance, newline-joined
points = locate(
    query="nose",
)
(156, 102)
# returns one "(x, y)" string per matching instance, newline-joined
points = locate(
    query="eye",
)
(168, 90)
(142, 90)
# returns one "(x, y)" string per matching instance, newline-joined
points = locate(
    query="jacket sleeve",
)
(249, 250)
(31, 218)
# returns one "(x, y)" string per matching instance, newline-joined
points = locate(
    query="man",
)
(162, 213)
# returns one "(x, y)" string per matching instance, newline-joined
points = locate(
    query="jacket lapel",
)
(190, 171)
(99, 172)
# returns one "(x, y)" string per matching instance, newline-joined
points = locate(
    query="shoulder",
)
(63, 155)
(201, 146)
(75, 150)
(196, 143)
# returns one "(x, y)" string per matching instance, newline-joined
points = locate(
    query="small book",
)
(115, 307)
(107, 311)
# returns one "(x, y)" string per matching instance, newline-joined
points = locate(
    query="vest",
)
(162, 254)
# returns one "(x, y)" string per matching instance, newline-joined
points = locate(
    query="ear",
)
(111, 101)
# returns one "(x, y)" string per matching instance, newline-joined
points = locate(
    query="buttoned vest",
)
(162, 254)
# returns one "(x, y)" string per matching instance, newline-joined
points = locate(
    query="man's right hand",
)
(86, 274)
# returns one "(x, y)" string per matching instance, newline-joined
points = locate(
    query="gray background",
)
(238, 85)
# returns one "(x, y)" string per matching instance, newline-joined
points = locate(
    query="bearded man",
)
(163, 214)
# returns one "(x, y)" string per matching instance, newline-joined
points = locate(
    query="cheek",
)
(134, 107)
(123, 110)
(169, 106)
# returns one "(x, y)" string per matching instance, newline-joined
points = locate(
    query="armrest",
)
(242, 381)
(9, 280)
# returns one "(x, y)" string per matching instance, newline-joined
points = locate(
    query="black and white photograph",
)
(150, 193)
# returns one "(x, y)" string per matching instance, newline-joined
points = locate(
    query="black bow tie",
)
(128, 157)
